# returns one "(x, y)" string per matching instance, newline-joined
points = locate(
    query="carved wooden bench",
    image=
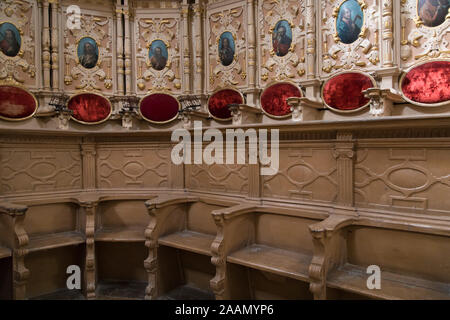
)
(184, 223)
(413, 264)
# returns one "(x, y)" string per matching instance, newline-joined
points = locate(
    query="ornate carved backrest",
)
(427, 83)
(89, 108)
(218, 103)
(343, 92)
(274, 99)
(159, 108)
(16, 103)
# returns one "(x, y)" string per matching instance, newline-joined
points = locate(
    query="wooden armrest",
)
(330, 225)
(169, 200)
(304, 102)
(245, 108)
(235, 211)
(12, 209)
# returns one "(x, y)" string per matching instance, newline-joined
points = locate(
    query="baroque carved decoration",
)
(19, 69)
(291, 65)
(100, 29)
(168, 31)
(363, 52)
(419, 42)
(231, 19)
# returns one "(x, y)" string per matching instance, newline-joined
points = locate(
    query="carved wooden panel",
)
(28, 168)
(305, 173)
(230, 20)
(290, 62)
(132, 167)
(346, 54)
(82, 71)
(410, 178)
(421, 39)
(218, 178)
(158, 29)
(19, 59)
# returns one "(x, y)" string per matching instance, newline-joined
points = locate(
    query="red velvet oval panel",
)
(428, 83)
(90, 108)
(345, 91)
(219, 101)
(159, 107)
(16, 103)
(274, 98)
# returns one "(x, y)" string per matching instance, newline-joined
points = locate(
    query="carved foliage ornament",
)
(282, 36)
(425, 30)
(227, 24)
(350, 31)
(158, 53)
(88, 53)
(17, 52)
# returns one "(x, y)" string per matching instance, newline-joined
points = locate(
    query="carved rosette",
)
(166, 28)
(21, 69)
(419, 42)
(77, 77)
(362, 53)
(292, 65)
(233, 19)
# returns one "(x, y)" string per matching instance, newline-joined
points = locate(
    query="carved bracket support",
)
(329, 251)
(243, 114)
(188, 117)
(382, 101)
(304, 109)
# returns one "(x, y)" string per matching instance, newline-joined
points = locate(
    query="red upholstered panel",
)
(16, 103)
(159, 107)
(428, 83)
(273, 99)
(344, 91)
(89, 107)
(219, 101)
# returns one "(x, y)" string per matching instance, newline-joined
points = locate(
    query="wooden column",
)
(55, 44)
(344, 154)
(88, 153)
(127, 50)
(310, 39)
(186, 49)
(46, 45)
(388, 33)
(199, 76)
(120, 54)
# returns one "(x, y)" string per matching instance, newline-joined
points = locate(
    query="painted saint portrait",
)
(87, 52)
(433, 12)
(226, 48)
(282, 38)
(158, 54)
(10, 39)
(349, 21)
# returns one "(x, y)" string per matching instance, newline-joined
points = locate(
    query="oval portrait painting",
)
(281, 38)
(227, 48)
(158, 54)
(10, 39)
(349, 21)
(87, 52)
(433, 12)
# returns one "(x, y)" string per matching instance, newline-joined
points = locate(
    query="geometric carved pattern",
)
(25, 170)
(226, 178)
(308, 174)
(140, 167)
(407, 178)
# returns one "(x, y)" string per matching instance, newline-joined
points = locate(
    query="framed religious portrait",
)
(350, 21)
(433, 12)
(281, 38)
(227, 48)
(10, 39)
(87, 52)
(158, 54)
